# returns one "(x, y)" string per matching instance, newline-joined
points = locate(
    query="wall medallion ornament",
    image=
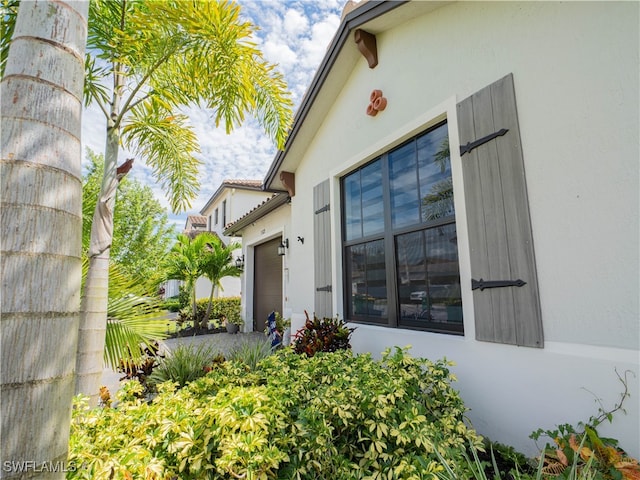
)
(377, 103)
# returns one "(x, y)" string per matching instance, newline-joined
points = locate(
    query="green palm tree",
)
(217, 264)
(146, 61)
(186, 263)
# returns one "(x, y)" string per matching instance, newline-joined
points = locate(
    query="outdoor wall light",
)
(240, 262)
(283, 246)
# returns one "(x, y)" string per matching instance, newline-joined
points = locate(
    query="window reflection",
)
(434, 166)
(363, 202)
(366, 272)
(428, 277)
(372, 208)
(403, 179)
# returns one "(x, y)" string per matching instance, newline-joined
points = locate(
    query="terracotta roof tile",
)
(242, 182)
(197, 220)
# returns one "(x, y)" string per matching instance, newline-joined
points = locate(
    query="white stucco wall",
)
(575, 68)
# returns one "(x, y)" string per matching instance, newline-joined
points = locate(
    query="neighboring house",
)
(507, 152)
(195, 224)
(230, 201)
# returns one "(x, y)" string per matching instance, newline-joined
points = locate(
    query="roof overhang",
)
(254, 185)
(235, 229)
(375, 17)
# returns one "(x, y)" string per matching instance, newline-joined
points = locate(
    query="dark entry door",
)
(267, 288)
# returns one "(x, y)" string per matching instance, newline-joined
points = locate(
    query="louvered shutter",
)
(322, 250)
(506, 302)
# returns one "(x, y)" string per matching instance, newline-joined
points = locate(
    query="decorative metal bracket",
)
(326, 208)
(482, 284)
(481, 141)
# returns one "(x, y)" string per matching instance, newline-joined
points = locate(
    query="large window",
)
(399, 238)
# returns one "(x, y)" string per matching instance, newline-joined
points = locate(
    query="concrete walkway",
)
(222, 342)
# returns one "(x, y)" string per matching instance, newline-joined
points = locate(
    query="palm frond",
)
(9, 15)
(135, 320)
(167, 143)
(94, 78)
(134, 323)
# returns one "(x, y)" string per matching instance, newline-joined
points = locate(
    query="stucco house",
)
(463, 177)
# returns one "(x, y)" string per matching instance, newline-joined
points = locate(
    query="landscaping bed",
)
(315, 411)
(334, 415)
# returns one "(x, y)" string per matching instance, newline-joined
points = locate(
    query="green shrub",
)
(183, 365)
(322, 335)
(224, 307)
(184, 298)
(251, 352)
(172, 304)
(332, 416)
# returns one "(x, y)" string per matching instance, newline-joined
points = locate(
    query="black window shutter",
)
(322, 250)
(498, 218)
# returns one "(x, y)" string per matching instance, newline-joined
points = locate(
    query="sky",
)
(293, 34)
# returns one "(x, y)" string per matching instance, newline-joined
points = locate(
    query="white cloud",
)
(279, 53)
(295, 23)
(314, 48)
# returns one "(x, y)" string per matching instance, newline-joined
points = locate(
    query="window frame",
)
(224, 213)
(389, 236)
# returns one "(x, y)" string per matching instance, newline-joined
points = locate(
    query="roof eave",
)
(354, 19)
(223, 186)
(235, 229)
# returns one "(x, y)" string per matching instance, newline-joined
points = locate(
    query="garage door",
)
(267, 288)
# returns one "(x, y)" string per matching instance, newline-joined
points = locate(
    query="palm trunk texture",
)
(93, 311)
(41, 224)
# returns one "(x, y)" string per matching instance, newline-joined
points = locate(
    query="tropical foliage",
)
(184, 364)
(322, 335)
(146, 62)
(165, 54)
(344, 417)
(202, 256)
(217, 264)
(133, 314)
(251, 352)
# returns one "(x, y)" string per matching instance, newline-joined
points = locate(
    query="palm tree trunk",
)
(41, 224)
(93, 310)
(194, 306)
(209, 305)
